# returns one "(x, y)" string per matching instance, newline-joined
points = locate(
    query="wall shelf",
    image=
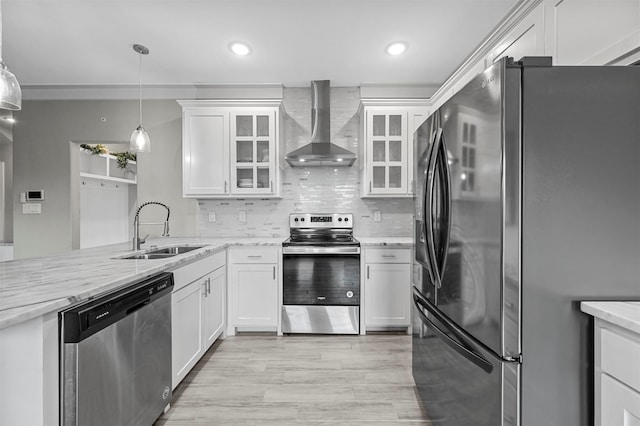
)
(105, 166)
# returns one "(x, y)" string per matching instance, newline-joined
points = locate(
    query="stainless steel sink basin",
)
(175, 250)
(149, 256)
(162, 253)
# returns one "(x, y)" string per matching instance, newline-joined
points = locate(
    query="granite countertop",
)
(30, 288)
(625, 314)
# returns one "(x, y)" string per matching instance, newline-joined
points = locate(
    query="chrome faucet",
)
(136, 225)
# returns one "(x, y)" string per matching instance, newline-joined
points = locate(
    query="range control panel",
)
(320, 220)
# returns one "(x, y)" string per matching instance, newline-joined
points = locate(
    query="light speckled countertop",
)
(30, 288)
(624, 314)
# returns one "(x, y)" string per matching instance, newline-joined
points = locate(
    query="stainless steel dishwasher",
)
(116, 356)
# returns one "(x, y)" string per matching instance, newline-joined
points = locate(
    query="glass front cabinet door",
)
(253, 152)
(387, 152)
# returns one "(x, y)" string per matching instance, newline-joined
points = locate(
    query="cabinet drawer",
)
(620, 357)
(254, 255)
(384, 255)
(620, 404)
(191, 272)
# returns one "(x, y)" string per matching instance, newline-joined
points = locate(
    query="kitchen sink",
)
(162, 253)
(148, 256)
(174, 250)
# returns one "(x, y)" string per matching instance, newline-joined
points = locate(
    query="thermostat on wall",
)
(35, 195)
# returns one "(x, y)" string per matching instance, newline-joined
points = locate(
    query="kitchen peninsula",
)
(33, 291)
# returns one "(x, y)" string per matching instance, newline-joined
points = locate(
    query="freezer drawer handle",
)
(461, 348)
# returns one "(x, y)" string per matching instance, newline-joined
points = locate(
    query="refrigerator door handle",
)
(428, 209)
(463, 347)
(445, 188)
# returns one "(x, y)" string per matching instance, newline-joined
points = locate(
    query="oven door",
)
(321, 290)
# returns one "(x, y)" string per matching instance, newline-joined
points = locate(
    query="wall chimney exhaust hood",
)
(320, 152)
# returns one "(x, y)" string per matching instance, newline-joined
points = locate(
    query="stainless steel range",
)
(321, 275)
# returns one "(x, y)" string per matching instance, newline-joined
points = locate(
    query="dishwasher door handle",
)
(138, 306)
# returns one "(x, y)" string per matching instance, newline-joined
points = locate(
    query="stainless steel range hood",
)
(320, 152)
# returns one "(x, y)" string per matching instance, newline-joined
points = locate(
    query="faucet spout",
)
(136, 224)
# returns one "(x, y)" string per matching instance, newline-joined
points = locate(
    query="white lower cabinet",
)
(387, 288)
(253, 289)
(617, 375)
(197, 312)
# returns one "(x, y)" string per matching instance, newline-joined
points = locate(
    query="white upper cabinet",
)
(205, 152)
(253, 147)
(230, 149)
(525, 39)
(591, 32)
(387, 148)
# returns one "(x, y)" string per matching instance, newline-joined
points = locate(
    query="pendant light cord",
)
(1, 30)
(140, 86)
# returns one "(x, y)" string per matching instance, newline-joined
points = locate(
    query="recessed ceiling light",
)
(240, 49)
(397, 48)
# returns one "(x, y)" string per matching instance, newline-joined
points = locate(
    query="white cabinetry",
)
(617, 375)
(387, 288)
(580, 32)
(230, 149)
(197, 312)
(387, 127)
(524, 39)
(253, 289)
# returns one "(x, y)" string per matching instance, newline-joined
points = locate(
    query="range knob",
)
(349, 294)
(339, 219)
(346, 219)
(302, 219)
(296, 219)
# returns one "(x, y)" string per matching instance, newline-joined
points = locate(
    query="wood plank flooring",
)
(262, 379)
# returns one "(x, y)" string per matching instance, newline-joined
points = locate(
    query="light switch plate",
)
(377, 216)
(242, 216)
(212, 216)
(32, 208)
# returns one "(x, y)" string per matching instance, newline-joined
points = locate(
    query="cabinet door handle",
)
(274, 273)
(209, 285)
(370, 186)
(270, 186)
(367, 271)
(225, 186)
(204, 289)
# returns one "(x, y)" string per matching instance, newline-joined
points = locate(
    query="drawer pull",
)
(389, 256)
(254, 256)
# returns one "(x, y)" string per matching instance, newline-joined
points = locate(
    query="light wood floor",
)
(262, 379)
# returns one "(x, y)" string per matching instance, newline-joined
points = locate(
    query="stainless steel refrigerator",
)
(528, 201)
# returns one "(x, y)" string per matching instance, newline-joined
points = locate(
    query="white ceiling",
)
(89, 42)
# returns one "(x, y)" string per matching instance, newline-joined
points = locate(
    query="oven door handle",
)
(320, 250)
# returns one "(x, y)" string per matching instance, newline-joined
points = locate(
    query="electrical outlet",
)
(212, 216)
(377, 216)
(242, 216)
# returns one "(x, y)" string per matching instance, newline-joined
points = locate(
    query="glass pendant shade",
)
(10, 92)
(140, 141)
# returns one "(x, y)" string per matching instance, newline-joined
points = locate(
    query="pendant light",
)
(140, 141)
(10, 92)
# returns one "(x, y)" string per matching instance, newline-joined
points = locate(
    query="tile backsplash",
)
(310, 189)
